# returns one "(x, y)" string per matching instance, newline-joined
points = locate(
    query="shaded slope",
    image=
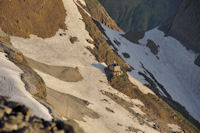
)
(138, 15)
(98, 12)
(171, 74)
(184, 25)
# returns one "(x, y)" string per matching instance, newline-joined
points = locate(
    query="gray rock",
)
(152, 46)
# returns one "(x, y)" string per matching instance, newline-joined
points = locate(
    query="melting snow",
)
(141, 87)
(175, 128)
(175, 68)
(59, 51)
(82, 2)
(12, 86)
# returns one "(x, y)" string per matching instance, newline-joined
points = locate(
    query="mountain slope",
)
(173, 71)
(13, 87)
(94, 34)
(95, 103)
(185, 25)
(163, 62)
(139, 15)
(97, 112)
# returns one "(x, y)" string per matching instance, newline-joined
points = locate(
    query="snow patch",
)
(175, 128)
(12, 86)
(174, 69)
(59, 51)
(141, 87)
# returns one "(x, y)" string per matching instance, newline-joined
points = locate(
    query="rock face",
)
(15, 117)
(184, 25)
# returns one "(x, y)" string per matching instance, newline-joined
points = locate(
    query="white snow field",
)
(59, 51)
(12, 86)
(175, 68)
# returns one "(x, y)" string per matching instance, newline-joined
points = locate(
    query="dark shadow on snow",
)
(99, 66)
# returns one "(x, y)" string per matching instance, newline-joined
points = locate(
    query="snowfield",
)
(12, 86)
(173, 67)
(59, 51)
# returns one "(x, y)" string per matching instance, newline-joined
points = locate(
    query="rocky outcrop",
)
(15, 117)
(152, 46)
(134, 36)
(184, 25)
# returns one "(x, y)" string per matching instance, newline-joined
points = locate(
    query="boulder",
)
(152, 46)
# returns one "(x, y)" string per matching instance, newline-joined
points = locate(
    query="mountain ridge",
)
(139, 15)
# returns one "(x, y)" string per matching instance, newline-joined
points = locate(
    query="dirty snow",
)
(175, 128)
(59, 51)
(141, 87)
(137, 110)
(12, 86)
(175, 68)
(82, 2)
